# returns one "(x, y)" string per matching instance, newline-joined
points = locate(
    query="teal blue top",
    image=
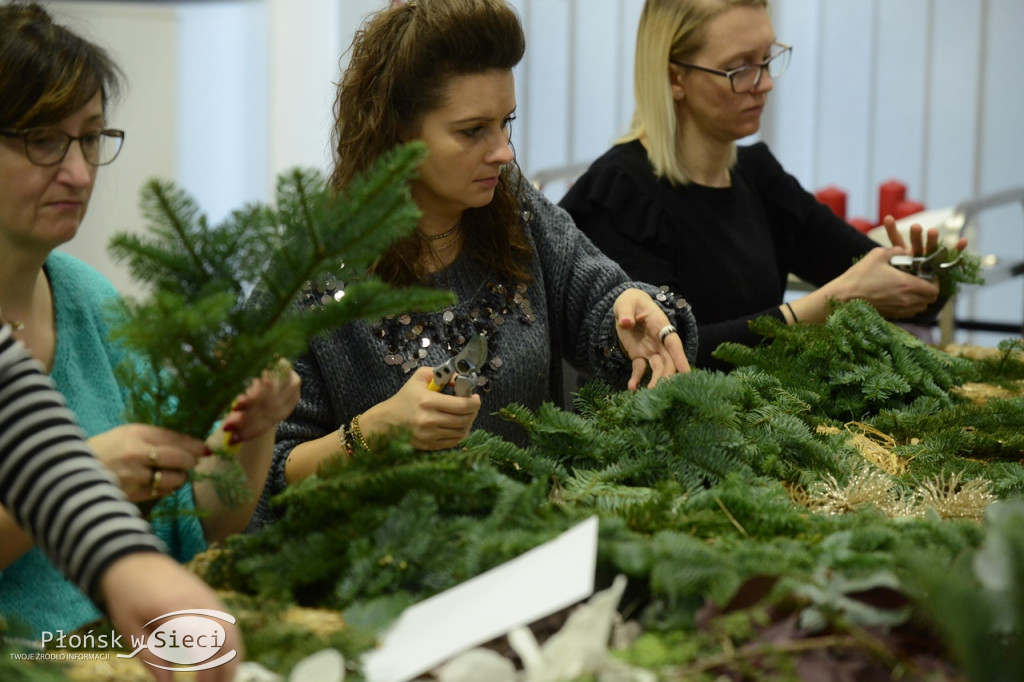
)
(32, 591)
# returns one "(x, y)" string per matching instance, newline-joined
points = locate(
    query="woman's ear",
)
(407, 133)
(675, 82)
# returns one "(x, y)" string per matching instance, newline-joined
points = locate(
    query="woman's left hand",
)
(918, 244)
(269, 399)
(638, 322)
(251, 426)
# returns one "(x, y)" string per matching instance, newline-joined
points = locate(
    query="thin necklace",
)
(16, 325)
(447, 233)
(444, 247)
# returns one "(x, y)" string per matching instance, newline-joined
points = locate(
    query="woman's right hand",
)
(436, 421)
(142, 587)
(150, 462)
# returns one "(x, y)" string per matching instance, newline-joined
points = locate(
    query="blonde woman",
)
(678, 202)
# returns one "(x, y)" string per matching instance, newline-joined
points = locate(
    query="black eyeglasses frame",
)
(24, 134)
(731, 73)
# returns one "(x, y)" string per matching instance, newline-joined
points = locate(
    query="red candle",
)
(863, 225)
(905, 208)
(834, 198)
(889, 194)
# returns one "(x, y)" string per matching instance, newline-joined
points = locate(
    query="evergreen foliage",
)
(695, 482)
(853, 365)
(979, 604)
(195, 343)
(972, 440)
(1004, 369)
(278, 640)
(951, 281)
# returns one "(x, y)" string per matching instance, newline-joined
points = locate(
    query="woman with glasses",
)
(678, 203)
(440, 71)
(54, 89)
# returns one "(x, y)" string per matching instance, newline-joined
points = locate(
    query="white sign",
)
(548, 578)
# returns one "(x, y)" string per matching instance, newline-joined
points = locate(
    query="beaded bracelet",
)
(357, 434)
(669, 302)
(346, 444)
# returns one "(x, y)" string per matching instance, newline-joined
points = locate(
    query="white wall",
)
(223, 121)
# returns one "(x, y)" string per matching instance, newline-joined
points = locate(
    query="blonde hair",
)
(668, 30)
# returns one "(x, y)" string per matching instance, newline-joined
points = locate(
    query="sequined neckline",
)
(407, 339)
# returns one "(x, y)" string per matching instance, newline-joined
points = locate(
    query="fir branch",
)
(951, 280)
(979, 606)
(853, 365)
(197, 339)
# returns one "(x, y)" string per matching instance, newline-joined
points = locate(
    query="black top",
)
(728, 250)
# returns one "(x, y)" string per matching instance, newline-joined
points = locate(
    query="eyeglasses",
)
(745, 78)
(49, 146)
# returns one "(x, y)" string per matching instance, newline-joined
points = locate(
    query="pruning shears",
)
(926, 267)
(465, 367)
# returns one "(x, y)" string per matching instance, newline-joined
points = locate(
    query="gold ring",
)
(154, 482)
(153, 457)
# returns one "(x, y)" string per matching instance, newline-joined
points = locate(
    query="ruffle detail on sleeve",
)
(616, 185)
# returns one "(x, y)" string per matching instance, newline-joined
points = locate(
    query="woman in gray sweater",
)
(440, 71)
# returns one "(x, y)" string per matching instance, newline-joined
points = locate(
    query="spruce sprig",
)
(196, 342)
(852, 366)
(968, 271)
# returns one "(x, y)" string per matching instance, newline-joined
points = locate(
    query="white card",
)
(548, 578)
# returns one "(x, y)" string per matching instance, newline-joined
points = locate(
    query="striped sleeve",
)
(51, 483)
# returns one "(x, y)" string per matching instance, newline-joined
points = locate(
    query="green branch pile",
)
(703, 484)
(854, 364)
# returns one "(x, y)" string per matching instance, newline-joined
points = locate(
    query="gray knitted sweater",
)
(565, 312)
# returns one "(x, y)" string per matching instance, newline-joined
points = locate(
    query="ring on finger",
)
(665, 331)
(154, 482)
(153, 457)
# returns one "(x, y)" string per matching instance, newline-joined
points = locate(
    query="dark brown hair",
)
(47, 72)
(401, 62)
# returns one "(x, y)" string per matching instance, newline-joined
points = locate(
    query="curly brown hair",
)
(401, 62)
(47, 72)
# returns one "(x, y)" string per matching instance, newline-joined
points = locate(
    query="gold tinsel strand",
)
(952, 500)
(869, 487)
(875, 446)
(949, 498)
(866, 488)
